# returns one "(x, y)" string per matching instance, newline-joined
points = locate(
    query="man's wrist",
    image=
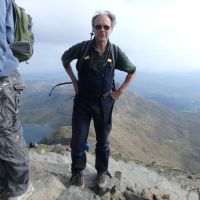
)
(120, 91)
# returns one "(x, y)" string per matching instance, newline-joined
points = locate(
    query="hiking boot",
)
(25, 195)
(77, 179)
(102, 181)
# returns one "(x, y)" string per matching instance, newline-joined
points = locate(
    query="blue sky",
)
(157, 35)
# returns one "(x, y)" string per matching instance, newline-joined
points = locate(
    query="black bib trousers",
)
(92, 102)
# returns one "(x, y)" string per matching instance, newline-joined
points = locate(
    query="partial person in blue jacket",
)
(14, 161)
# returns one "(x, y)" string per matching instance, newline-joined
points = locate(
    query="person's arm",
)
(3, 39)
(69, 55)
(72, 76)
(116, 94)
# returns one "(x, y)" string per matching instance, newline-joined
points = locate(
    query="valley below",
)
(143, 130)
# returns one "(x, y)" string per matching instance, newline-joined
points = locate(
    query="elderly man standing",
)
(94, 95)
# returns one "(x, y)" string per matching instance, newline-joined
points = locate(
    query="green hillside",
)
(143, 130)
(40, 108)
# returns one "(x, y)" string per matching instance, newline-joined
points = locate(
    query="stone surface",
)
(50, 174)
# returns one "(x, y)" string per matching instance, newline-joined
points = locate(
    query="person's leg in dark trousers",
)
(4, 190)
(3, 179)
(13, 151)
(103, 125)
(80, 128)
(16, 174)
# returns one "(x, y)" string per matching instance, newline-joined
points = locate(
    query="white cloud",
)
(156, 35)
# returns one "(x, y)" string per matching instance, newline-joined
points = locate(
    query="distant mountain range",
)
(180, 91)
(143, 129)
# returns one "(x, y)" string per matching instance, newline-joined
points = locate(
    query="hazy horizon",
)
(28, 71)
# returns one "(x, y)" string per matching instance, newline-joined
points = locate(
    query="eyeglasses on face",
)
(105, 27)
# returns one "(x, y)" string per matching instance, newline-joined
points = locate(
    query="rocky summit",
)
(50, 173)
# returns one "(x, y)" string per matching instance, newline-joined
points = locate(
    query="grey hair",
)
(107, 13)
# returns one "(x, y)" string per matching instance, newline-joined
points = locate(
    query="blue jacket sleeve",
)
(3, 38)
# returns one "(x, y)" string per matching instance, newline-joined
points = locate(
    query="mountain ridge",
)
(142, 129)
